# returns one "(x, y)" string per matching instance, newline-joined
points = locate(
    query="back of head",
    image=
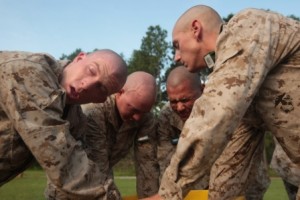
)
(136, 97)
(142, 85)
(180, 75)
(116, 67)
(209, 18)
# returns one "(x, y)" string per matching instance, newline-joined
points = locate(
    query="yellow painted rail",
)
(192, 195)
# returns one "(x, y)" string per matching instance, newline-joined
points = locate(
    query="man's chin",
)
(75, 101)
(183, 118)
(127, 120)
(194, 69)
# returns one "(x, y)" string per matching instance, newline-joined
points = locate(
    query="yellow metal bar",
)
(192, 195)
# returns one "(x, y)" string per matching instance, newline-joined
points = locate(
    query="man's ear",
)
(79, 57)
(118, 94)
(197, 29)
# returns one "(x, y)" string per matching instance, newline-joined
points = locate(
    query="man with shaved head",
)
(40, 115)
(183, 88)
(113, 127)
(255, 64)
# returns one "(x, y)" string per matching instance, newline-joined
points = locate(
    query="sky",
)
(60, 26)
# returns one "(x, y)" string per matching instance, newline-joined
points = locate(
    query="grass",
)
(31, 187)
(32, 184)
(276, 190)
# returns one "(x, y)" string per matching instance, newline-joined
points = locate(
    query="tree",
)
(71, 56)
(152, 57)
(294, 17)
(226, 19)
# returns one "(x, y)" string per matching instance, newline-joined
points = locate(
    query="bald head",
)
(114, 67)
(181, 75)
(92, 77)
(208, 17)
(183, 88)
(195, 35)
(141, 84)
(137, 96)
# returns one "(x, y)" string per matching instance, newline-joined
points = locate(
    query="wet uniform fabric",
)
(230, 176)
(35, 122)
(257, 64)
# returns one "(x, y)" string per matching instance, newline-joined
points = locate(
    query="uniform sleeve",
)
(32, 99)
(98, 148)
(165, 148)
(243, 61)
(146, 165)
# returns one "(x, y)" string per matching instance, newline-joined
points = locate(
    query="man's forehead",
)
(174, 32)
(139, 106)
(175, 38)
(176, 93)
(177, 34)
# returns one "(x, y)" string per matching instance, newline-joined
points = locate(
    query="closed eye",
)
(92, 70)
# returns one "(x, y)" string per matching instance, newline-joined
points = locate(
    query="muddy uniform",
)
(258, 64)
(32, 124)
(229, 172)
(109, 140)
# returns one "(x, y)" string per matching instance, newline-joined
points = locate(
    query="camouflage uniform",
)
(168, 132)
(230, 176)
(109, 140)
(288, 171)
(257, 63)
(32, 124)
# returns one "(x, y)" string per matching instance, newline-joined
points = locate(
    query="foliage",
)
(71, 56)
(226, 19)
(152, 57)
(294, 17)
(153, 53)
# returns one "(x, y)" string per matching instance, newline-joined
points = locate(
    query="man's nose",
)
(83, 85)
(177, 56)
(137, 117)
(180, 106)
